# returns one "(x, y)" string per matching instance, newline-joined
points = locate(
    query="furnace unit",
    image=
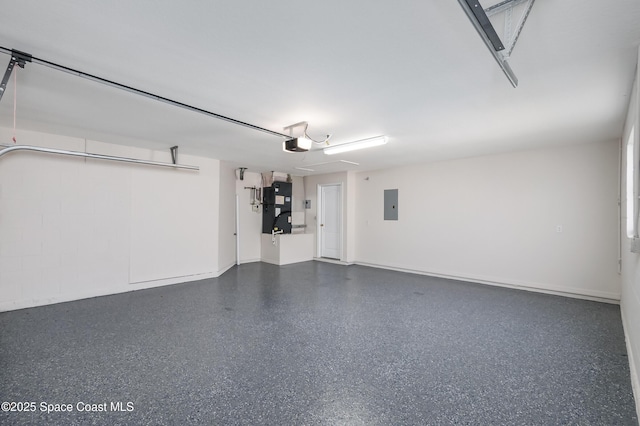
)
(276, 208)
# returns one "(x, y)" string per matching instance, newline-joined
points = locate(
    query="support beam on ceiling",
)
(502, 6)
(510, 36)
(473, 9)
(516, 35)
(482, 21)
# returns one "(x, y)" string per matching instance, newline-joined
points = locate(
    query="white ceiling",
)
(415, 71)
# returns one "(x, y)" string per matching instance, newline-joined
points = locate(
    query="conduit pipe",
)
(96, 156)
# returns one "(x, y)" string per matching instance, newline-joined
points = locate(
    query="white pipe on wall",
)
(96, 156)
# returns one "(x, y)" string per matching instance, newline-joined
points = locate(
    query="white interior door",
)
(330, 221)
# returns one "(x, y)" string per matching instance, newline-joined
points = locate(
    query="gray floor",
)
(317, 343)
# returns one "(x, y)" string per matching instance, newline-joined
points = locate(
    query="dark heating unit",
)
(276, 208)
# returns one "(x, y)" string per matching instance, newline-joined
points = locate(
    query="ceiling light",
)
(296, 145)
(352, 146)
(308, 168)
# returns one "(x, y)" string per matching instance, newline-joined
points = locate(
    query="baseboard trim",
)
(635, 379)
(335, 261)
(225, 269)
(557, 291)
(174, 280)
(243, 261)
(99, 292)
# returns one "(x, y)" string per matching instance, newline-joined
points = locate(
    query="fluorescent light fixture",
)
(296, 145)
(352, 146)
(324, 163)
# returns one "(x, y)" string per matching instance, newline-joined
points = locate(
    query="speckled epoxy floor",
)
(317, 343)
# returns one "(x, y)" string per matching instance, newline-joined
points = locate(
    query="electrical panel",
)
(390, 204)
(276, 208)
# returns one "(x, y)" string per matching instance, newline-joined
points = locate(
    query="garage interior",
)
(328, 213)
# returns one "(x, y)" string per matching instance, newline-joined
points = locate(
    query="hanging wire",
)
(325, 141)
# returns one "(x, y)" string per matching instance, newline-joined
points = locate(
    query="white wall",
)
(630, 303)
(227, 218)
(74, 228)
(297, 194)
(347, 179)
(494, 219)
(250, 220)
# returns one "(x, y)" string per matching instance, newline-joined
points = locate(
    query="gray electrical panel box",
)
(390, 204)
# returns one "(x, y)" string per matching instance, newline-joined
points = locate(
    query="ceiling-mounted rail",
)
(138, 91)
(96, 156)
(481, 23)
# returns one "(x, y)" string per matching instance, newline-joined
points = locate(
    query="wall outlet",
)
(559, 229)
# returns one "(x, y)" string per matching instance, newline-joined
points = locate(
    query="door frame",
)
(319, 206)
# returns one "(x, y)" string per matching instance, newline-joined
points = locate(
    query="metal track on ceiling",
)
(20, 58)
